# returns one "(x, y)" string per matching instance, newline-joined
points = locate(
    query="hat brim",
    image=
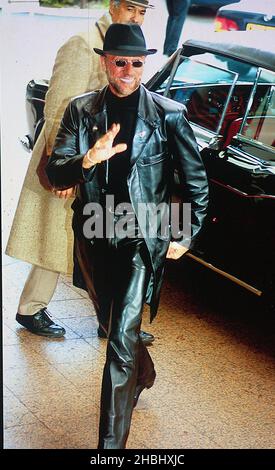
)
(140, 4)
(127, 52)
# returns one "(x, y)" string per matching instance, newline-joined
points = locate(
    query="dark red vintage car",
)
(228, 88)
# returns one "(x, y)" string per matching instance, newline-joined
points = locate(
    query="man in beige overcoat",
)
(41, 233)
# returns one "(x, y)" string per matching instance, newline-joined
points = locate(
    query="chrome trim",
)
(36, 99)
(227, 101)
(255, 143)
(25, 141)
(172, 74)
(240, 152)
(251, 98)
(201, 132)
(247, 159)
(247, 156)
(225, 274)
(214, 143)
(202, 84)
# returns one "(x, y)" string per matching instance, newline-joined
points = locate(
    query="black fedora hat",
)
(141, 3)
(124, 40)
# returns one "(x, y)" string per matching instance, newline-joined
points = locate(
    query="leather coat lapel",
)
(97, 115)
(147, 121)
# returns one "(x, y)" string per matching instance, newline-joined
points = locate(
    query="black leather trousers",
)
(119, 270)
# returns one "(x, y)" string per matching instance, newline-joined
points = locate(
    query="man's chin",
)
(125, 89)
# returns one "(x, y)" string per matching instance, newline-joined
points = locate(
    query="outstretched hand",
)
(103, 148)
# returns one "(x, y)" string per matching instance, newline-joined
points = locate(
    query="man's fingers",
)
(65, 194)
(103, 148)
(110, 135)
(59, 194)
(115, 128)
(117, 149)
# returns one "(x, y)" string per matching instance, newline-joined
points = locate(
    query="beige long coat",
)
(41, 233)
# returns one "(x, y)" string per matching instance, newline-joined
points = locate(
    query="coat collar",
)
(103, 24)
(147, 118)
(146, 108)
(96, 110)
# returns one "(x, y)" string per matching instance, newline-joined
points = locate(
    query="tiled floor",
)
(215, 374)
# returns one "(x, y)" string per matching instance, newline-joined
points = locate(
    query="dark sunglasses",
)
(123, 62)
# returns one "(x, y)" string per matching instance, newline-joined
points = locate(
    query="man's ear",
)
(111, 8)
(102, 61)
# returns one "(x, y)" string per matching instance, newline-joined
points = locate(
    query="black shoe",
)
(41, 324)
(141, 387)
(146, 338)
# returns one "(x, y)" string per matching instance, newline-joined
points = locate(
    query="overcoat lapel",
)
(147, 122)
(97, 115)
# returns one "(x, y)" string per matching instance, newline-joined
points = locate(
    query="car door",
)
(216, 101)
(246, 185)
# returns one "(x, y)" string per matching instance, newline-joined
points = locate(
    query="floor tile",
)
(9, 336)
(42, 379)
(70, 351)
(71, 308)
(65, 404)
(21, 356)
(85, 327)
(16, 414)
(30, 436)
(83, 432)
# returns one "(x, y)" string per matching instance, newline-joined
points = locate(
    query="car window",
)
(202, 88)
(259, 125)
(246, 72)
(215, 90)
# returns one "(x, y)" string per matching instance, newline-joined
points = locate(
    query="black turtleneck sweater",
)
(121, 111)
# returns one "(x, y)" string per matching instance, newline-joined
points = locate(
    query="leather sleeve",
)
(192, 174)
(64, 168)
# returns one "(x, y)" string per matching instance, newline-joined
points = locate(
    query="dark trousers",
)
(118, 270)
(177, 10)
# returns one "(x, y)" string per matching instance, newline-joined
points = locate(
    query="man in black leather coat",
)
(133, 163)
